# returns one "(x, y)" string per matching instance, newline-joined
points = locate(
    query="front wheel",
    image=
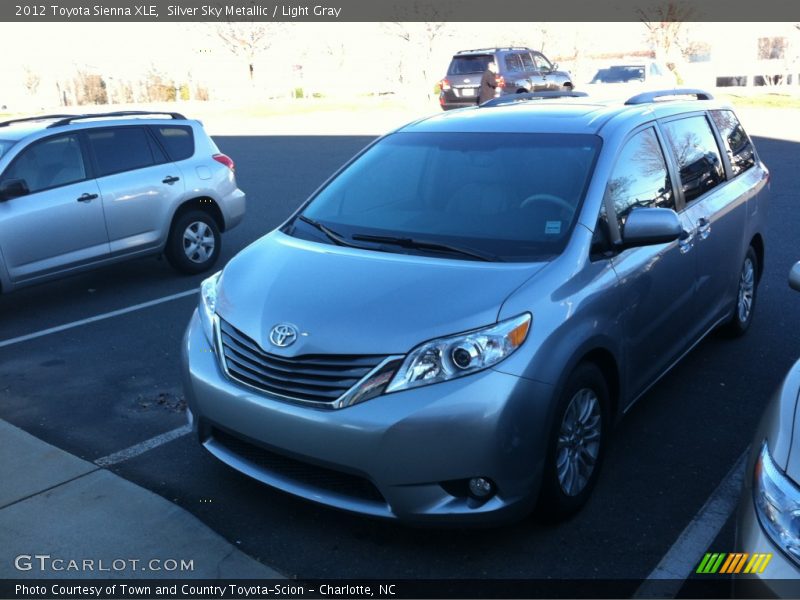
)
(745, 296)
(577, 443)
(194, 242)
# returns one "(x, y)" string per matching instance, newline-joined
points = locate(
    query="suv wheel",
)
(745, 295)
(194, 242)
(576, 444)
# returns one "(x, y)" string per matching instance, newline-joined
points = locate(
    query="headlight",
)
(777, 500)
(459, 355)
(208, 305)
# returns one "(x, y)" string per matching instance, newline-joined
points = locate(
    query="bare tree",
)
(664, 25)
(31, 81)
(421, 39)
(90, 88)
(246, 41)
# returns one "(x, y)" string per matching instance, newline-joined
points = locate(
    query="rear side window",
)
(177, 140)
(695, 150)
(737, 142)
(49, 163)
(121, 149)
(463, 65)
(640, 178)
(513, 63)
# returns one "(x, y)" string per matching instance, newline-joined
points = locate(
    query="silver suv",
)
(451, 325)
(79, 191)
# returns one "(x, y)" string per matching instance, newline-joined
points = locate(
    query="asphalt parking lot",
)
(105, 385)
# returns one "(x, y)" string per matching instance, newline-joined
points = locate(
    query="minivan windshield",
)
(498, 196)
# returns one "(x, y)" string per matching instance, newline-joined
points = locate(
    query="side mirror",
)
(794, 277)
(12, 188)
(649, 226)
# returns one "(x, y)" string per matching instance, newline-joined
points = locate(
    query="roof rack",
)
(493, 49)
(67, 119)
(647, 97)
(543, 95)
(39, 118)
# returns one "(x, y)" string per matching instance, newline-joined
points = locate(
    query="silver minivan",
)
(448, 329)
(80, 191)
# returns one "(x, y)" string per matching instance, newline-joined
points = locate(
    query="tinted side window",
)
(640, 177)
(50, 163)
(120, 149)
(513, 63)
(177, 140)
(527, 61)
(737, 143)
(695, 150)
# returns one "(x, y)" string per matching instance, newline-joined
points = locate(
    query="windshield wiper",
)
(336, 238)
(406, 242)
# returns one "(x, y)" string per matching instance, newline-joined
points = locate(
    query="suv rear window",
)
(474, 63)
(177, 140)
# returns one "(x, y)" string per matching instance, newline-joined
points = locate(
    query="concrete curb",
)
(99, 525)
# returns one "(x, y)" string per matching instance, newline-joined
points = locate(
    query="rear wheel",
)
(194, 242)
(745, 296)
(577, 443)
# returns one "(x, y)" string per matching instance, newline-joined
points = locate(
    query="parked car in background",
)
(448, 329)
(769, 510)
(79, 191)
(621, 79)
(519, 70)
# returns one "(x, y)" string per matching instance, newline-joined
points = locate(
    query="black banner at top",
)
(397, 10)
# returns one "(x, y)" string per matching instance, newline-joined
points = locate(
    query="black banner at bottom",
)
(267, 589)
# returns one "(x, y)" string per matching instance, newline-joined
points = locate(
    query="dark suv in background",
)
(519, 70)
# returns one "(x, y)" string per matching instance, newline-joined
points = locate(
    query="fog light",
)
(481, 487)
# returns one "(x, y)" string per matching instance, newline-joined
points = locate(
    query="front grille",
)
(298, 471)
(312, 377)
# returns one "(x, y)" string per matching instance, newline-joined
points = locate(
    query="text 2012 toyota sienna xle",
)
(449, 328)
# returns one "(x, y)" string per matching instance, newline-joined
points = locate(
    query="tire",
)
(585, 401)
(746, 292)
(183, 251)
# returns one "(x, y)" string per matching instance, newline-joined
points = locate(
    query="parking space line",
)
(142, 447)
(666, 580)
(101, 317)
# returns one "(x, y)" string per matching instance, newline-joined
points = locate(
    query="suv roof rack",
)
(543, 95)
(39, 118)
(647, 97)
(67, 119)
(493, 49)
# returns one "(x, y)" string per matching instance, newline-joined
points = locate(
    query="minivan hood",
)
(351, 301)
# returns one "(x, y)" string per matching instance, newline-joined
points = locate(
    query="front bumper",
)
(403, 445)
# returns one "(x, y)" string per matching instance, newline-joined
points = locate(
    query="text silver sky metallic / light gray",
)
(479, 296)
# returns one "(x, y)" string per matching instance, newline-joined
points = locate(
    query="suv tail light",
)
(225, 160)
(444, 85)
(501, 81)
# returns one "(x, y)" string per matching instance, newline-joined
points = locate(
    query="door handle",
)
(86, 197)
(703, 228)
(169, 179)
(685, 241)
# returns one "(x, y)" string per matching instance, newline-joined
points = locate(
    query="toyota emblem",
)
(283, 335)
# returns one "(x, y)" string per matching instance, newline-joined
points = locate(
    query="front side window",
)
(510, 195)
(640, 177)
(541, 62)
(737, 142)
(120, 149)
(527, 61)
(49, 163)
(695, 150)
